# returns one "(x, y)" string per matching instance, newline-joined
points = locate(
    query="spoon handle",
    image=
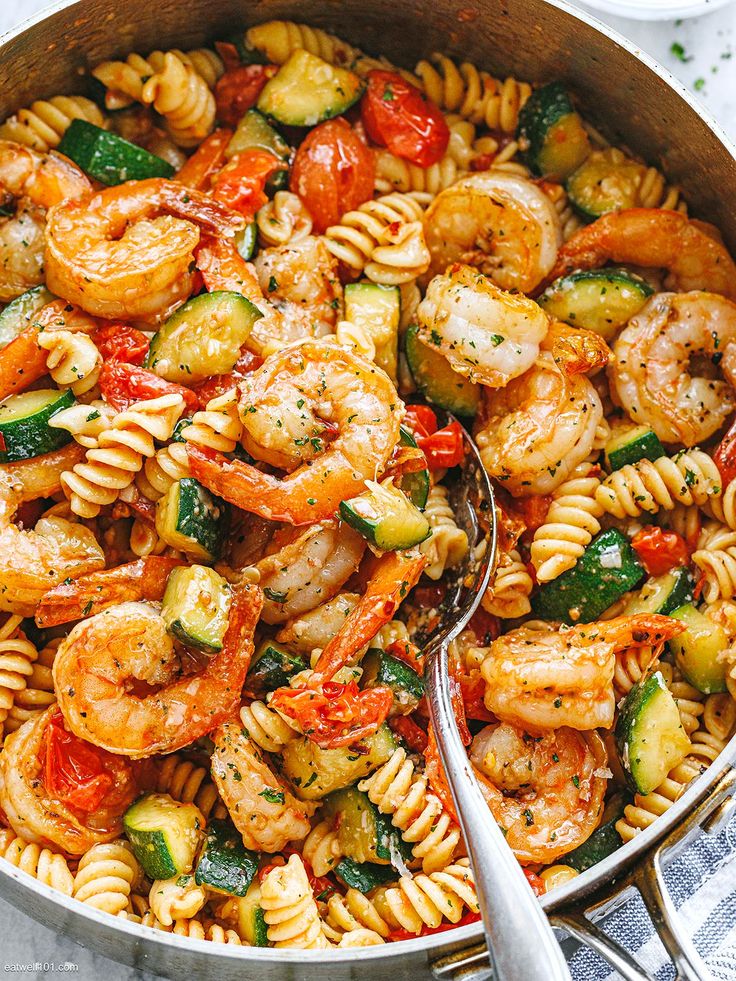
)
(520, 940)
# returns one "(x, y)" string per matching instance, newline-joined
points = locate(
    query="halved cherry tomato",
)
(409, 653)
(74, 770)
(421, 420)
(333, 172)
(659, 550)
(206, 160)
(485, 626)
(407, 729)
(725, 455)
(241, 183)
(238, 89)
(401, 934)
(535, 881)
(444, 448)
(335, 714)
(398, 116)
(123, 384)
(121, 343)
(29, 512)
(533, 510)
(428, 597)
(435, 773)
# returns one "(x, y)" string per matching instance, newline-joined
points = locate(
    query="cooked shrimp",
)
(95, 592)
(544, 679)
(314, 630)
(307, 567)
(261, 805)
(33, 561)
(650, 373)
(302, 282)
(128, 251)
(37, 814)
(485, 333)
(655, 239)
(535, 431)
(105, 659)
(502, 224)
(32, 182)
(576, 350)
(546, 792)
(325, 414)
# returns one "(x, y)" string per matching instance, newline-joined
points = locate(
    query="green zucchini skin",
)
(109, 158)
(601, 300)
(604, 841)
(165, 834)
(254, 132)
(437, 381)
(24, 424)
(698, 650)
(191, 519)
(641, 443)
(364, 834)
(377, 310)
(663, 594)
(552, 133)
(307, 90)
(195, 607)
(582, 593)
(386, 517)
(225, 865)
(363, 876)
(415, 485)
(272, 667)
(382, 668)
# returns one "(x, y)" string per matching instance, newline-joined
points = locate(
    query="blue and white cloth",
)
(702, 882)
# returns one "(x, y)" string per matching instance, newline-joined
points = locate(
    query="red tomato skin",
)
(660, 551)
(398, 116)
(445, 448)
(421, 420)
(121, 343)
(333, 172)
(725, 456)
(123, 384)
(241, 183)
(238, 89)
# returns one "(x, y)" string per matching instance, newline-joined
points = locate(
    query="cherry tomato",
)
(206, 160)
(241, 183)
(473, 688)
(412, 734)
(469, 917)
(428, 597)
(74, 770)
(217, 385)
(123, 384)
(333, 172)
(435, 773)
(336, 714)
(660, 550)
(421, 420)
(444, 448)
(238, 89)
(485, 626)
(409, 653)
(398, 116)
(121, 343)
(725, 455)
(535, 881)
(533, 510)
(29, 512)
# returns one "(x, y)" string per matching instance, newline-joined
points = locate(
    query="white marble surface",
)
(702, 53)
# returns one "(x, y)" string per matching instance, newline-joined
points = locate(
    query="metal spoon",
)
(520, 941)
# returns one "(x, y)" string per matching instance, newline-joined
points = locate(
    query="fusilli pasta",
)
(278, 39)
(105, 877)
(179, 898)
(508, 593)
(73, 359)
(572, 521)
(428, 900)
(266, 727)
(43, 864)
(447, 546)
(283, 220)
(715, 556)
(322, 849)
(190, 784)
(17, 655)
(43, 124)
(38, 693)
(289, 908)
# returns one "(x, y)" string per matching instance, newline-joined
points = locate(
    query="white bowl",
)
(655, 9)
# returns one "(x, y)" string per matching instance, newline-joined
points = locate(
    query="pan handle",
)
(578, 920)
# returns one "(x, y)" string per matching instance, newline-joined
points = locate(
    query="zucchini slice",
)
(605, 182)
(192, 520)
(251, 921)
(21, 311)
(202, 338)
(108, 157)
(603, 842)
(364, 834)
(381, 668)
(377, 310)
(437, 381)
(601, 300)
(632, 445)
(246, 241)
(165, 835)
(254, 132)
(608, 568)
(225, 865)
(698, 648)
(663, 594)
(363, 876)
(272, 667)
(316, 772)
(307, 90)
(555, 140)
(415, 485)
(24, 423)
(195, 607)
(386, 517)
(649, 734)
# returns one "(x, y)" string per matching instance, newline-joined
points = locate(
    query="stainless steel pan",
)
(634, 102)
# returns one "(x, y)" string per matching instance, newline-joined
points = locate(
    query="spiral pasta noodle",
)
(572, 521)
(16, 669)
(86, 423)
(179, 898)
(113, 464)
(569, 221)
(289, 909)
(268, 730)
(447, 546)
(690, 477)
(508, 593)
(396, 789)
(716, 558)
(73, 360)
(646, 808)
(283, 220)
(124, 80)
(189, 784)
(383, 238)
(322, 849)
(145, 540)
(197, 930)
(38, 693)
(105, 877)
(352, 912)
(428, 900)
(183, 98)
(278, 39)
(473, 94)
(48, 867)
(42, 125)
(396, 174)
(631, 666)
